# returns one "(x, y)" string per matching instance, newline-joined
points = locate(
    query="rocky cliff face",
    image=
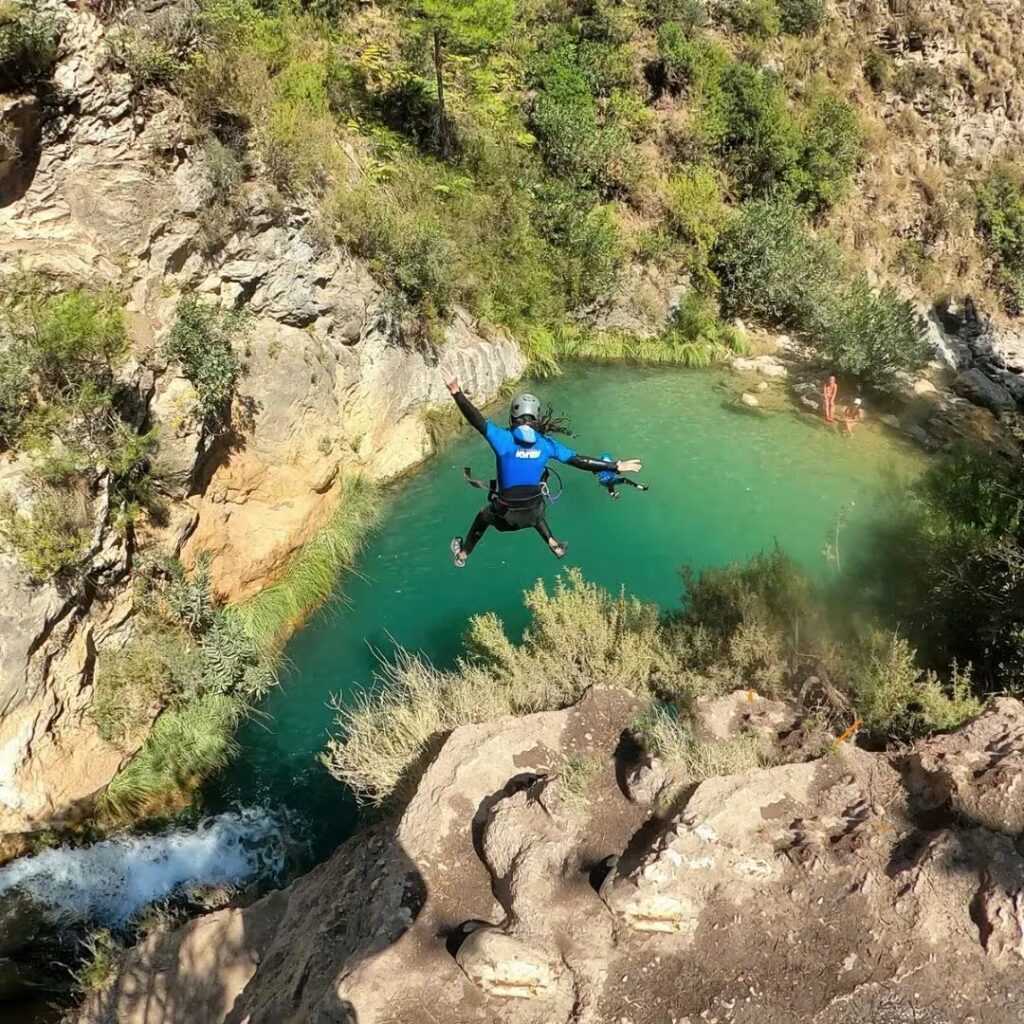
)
(107, 193)
(851, 887)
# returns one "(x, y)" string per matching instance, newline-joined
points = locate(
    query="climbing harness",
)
(491, 487)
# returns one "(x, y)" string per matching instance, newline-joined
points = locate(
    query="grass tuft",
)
(268, 617)
(186, 743)
(101, 954)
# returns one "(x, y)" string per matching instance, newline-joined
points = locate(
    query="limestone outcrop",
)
(849, 887)
(109, 193)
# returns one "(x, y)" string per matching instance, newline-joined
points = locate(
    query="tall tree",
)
(465, 26)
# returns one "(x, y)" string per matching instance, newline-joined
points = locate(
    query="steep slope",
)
(332, 386)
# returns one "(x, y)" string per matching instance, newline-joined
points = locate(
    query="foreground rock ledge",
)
(850, 889)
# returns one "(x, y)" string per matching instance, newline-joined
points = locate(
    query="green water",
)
(725, 483)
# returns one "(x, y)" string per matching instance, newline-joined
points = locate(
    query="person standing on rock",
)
(522, 452)
(828, 399)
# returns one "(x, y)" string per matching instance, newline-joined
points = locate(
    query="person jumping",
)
(610, 480)
(521, 453)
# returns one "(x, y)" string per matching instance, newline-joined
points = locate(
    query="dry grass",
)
(579, 634)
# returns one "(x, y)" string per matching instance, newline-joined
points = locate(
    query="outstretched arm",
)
(585, 462)
(473, 415)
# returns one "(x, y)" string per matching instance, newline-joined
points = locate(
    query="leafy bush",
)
(771, 270)
(202, 343)
(831, 145)
(690, 14)
(50, 539)
(871, 335)
(29, 43)
(947, 564)
(878, 69)
(575, 140)
(1000, 206)
(896, 699)
(758, 18)
(697, 214)
(748, 124)
(802, 17)
(694, 64)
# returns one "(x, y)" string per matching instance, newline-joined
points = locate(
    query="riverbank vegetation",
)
(516, 159)
(762, 625)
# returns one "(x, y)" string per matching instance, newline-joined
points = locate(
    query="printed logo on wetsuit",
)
(527, 453)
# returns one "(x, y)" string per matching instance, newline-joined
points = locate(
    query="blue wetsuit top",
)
(522, 454)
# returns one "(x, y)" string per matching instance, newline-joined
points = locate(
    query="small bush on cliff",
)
(202, 342)
(802, 17)
(50, 538)
(29, 43)
(100, 958)
(1000, 201)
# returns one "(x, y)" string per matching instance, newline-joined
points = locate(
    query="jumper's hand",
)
(630, 466)
(452, 384)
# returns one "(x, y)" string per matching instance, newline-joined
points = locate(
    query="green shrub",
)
(574, 139)
(770, 269)
(802, 17)
(29, 43)
(578, 634)
(946, 563)
(690, 14)
(758, 18)
(1000, 221)
(694, 64)
(100, 960)
(748, 124)
(896, 699)
(697, 214)
(872, 335)
(878, 69)
(148, 62)
(51, 539)
(202, 343)
(831, 145)
(224, 169)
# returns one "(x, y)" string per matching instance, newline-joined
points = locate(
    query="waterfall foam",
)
(109, 881)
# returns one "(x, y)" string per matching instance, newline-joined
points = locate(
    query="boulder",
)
(749, 400)
(766, 366)
(980, 389)
(977, 771)
(508, 968)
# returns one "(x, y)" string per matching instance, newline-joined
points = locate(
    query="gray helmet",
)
(524, 405)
